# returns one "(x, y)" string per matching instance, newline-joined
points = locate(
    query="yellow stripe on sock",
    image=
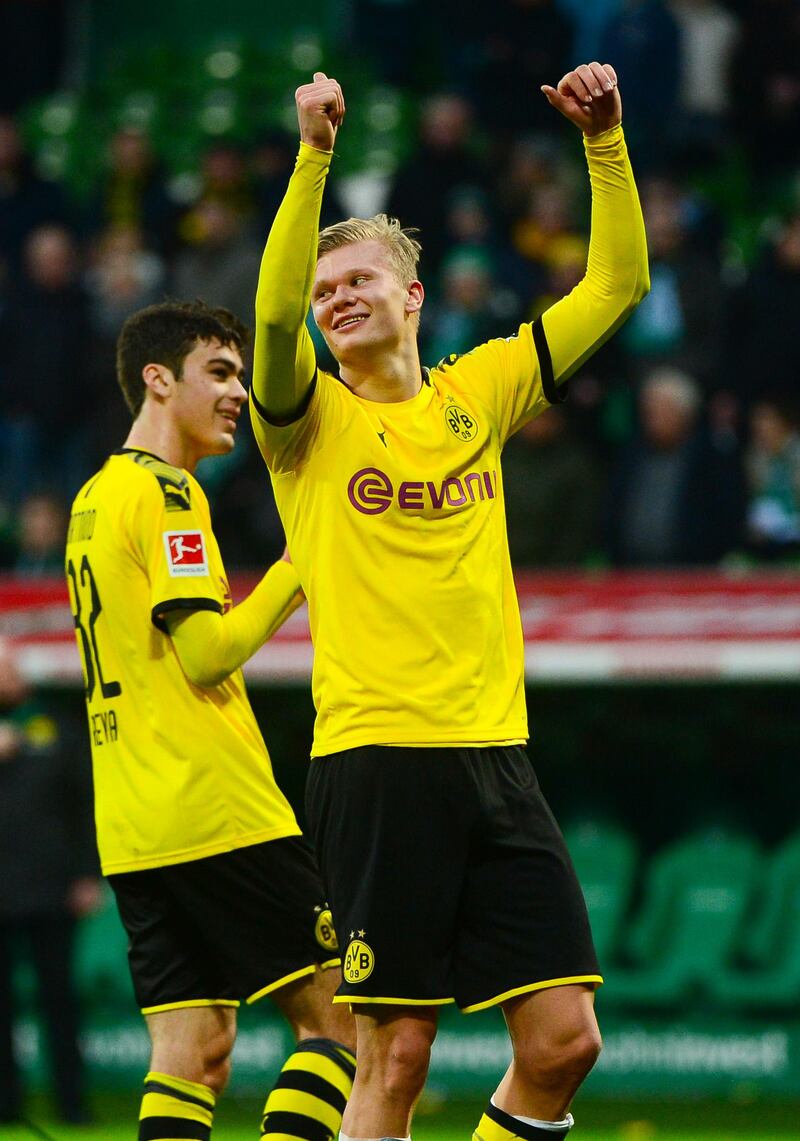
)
(300, 1102)
(183, 1085)
(489, 1130)
(326, 1068)
(162, 1105)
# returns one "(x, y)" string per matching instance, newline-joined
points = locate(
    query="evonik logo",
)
(372, 492)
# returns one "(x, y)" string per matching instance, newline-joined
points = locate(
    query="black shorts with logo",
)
(224, 928)
(448, 875)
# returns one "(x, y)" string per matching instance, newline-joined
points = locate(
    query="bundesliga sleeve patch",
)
(186, 553)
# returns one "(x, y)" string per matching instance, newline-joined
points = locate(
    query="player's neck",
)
(150, 434)
(385, 377)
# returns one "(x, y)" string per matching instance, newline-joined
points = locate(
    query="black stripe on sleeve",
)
(285, 421)
(552, 394)
(181, 604)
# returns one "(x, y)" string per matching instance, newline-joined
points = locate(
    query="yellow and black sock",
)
(497, 1125)
(308, 1099)
(175, 1108)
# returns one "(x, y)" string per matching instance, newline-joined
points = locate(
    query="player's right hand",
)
(320, 111)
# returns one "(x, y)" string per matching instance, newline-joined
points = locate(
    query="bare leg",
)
(394, 1045)
(556, 1042)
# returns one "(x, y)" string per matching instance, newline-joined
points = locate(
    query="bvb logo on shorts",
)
(460, 423)
(324, 931)
(358, 962)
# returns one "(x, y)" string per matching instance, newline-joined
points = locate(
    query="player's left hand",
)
(589, 97)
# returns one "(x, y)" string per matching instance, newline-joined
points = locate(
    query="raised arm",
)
(211, 646)
(284, 363)
(617, 275)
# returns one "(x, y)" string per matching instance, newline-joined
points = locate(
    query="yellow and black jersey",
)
(180, 772)
(397, 528)
(394, 512)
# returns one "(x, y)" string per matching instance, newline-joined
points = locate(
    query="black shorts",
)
(448, 875)
(224, 928)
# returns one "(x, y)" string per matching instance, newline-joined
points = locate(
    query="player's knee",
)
(401, 1064)
(561, 1062)
(216, 1055)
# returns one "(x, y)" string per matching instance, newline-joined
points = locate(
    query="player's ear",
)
(416, 295)
(158, 379)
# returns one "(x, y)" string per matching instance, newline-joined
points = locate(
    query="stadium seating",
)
(102, 959)
(696, 893)
(770, 975)
(605, 858)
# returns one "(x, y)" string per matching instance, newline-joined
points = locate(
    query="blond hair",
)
(402, 250)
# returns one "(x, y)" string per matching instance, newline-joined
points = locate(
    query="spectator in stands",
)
(675, 498)
(41, 536)
(553, 492)
(763, 341)
(473, 306)
(123, 276)
(26, 201)
(223, 264)
(132, 192)
(44, 396)
(48, 880)
(773, 478)
(443, 162)
(767, 87)
(709, 35)
(506, 57)
(590, 22)
(680, 321)
(643, 40)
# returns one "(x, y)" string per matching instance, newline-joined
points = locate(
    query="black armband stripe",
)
(181, 604)
(285, 421)
(553, 395)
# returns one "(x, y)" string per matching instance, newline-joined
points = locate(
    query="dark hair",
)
(165, 334)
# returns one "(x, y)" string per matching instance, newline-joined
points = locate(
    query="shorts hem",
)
(529, 988)
(188, 1003)
(283, 981)
(356, 999)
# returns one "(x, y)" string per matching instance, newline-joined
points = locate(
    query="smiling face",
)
(359, 304)
(206, 400)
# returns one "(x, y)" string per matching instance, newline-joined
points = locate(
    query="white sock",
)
(549, 1126)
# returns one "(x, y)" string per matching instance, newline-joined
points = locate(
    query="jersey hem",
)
(446, 742)
(117, 867)
(529, 988)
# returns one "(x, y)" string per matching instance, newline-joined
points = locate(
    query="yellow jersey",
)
(394, 512)
(180, 772)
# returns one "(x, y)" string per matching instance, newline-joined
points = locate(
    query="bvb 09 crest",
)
(359, 961)
(324, 931)
(460, 423)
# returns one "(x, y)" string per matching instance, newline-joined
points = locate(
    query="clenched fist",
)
(588, 97)
(320, 111)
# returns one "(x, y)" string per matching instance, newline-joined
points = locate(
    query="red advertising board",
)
(612, 626)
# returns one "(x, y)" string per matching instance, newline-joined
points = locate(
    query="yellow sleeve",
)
(284, 362)
(617, 275)
(211, 646)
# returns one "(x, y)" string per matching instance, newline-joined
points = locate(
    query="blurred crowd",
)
(680, 443)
